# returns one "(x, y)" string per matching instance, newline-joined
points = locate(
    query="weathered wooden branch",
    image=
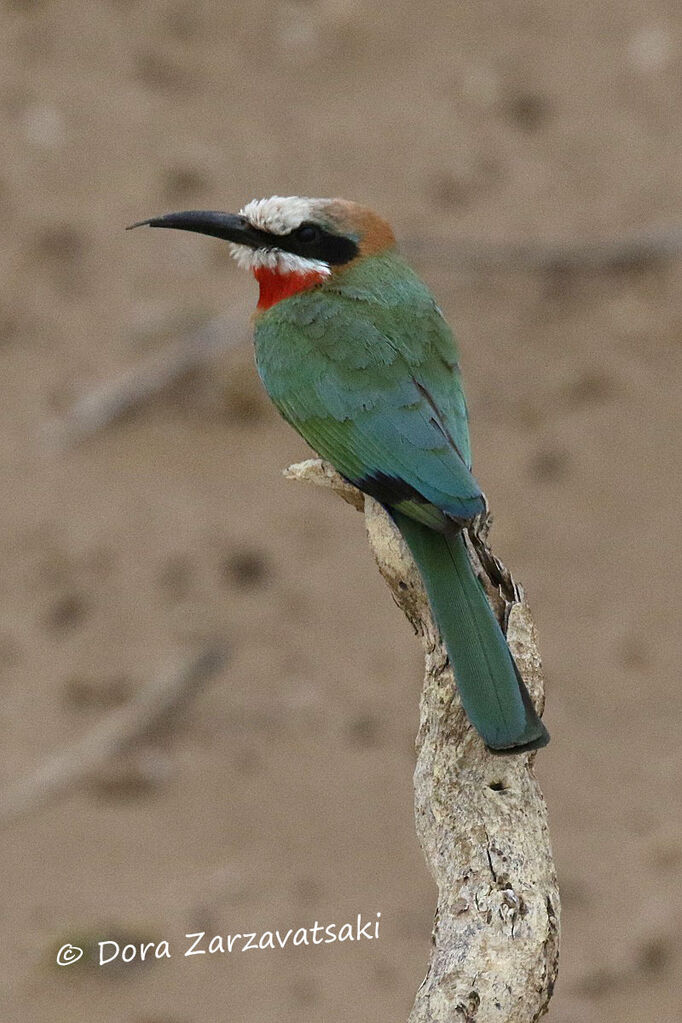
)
(481, 819)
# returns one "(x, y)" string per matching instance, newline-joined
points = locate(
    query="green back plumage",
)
(365, 368)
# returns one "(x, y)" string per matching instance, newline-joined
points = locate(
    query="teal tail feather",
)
(492, 691)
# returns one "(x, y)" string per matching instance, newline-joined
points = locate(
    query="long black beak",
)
(231, 227)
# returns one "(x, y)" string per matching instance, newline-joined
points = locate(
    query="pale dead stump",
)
(481, 819)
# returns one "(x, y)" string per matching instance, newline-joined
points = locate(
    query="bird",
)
(357, 356)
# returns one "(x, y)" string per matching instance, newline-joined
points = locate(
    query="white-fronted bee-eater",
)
(356, 355)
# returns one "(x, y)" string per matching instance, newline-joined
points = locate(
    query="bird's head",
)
(290, 243)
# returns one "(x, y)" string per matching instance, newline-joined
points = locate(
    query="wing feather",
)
(376, 391)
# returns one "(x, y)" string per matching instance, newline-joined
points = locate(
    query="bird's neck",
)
(278, 284)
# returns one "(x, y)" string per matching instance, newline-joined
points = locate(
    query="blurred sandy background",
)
(283, 792)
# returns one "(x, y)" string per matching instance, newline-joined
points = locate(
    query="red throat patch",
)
(275, 285)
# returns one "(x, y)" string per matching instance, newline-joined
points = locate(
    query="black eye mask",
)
(312, 242)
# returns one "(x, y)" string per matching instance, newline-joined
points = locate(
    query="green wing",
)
(366, 371)
(375, 389)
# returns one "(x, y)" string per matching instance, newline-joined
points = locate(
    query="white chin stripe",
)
(281, 214)
(277, 260)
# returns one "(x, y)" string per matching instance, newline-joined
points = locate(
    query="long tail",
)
(492, 691)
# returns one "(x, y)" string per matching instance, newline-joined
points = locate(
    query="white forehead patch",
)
(281, 214)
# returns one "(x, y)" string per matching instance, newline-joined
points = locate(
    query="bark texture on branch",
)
(481, 819)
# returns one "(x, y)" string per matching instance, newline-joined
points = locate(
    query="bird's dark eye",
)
(312, 241)
(308, 234)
